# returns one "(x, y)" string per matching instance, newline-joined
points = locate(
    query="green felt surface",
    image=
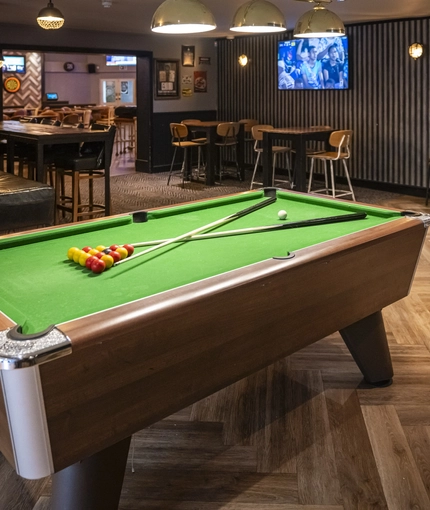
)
(40, 286)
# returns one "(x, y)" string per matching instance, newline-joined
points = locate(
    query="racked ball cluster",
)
(100, 258)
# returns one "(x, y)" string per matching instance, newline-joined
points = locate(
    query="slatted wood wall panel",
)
(387, 105)
(30, 93)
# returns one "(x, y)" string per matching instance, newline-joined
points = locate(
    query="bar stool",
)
(276, 150)
(87, 164)
(339, 140)
(180, 140)
(227, 139)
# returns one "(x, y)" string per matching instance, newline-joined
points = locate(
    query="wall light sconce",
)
(243, 60)
(50, 18)
(416, 50)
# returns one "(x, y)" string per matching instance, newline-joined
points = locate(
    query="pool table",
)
(86, 359)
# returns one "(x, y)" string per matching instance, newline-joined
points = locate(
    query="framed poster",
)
(200, 81)
(188, 56)
(166, 79)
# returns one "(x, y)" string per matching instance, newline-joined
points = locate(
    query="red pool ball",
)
(129, 248)
(89, 261)
(98, 266)
(115, 255)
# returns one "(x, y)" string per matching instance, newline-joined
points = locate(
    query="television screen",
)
(118, 60)
(13, 64)
(313, 64)
(51, 96)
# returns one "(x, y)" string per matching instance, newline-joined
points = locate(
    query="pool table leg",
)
(94, 483)
(367, 342)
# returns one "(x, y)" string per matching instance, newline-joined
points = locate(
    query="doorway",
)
(115, 92)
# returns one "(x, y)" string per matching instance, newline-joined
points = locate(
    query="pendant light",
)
(258, 16)
(50, 18)
(182, 17)
(319, 22)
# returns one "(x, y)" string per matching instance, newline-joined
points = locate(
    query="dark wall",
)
(387, 105)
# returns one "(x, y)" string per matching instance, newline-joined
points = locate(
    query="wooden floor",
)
(305, 433)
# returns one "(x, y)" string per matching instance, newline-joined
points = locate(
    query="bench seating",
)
(24, 204)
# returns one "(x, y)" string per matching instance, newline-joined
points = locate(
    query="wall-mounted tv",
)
(313, 64)
(13, 64)
(120, 60)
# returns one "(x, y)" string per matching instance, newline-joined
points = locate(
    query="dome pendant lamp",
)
(258, 16)
(319, 22)
(50, 18)
(182, 17)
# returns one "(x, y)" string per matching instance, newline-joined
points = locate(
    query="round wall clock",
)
(69, 66)
(12, 84)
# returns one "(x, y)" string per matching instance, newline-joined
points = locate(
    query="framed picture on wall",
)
(166, 79)
(188, 56)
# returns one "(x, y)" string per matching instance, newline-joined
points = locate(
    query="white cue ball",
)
(282, 215)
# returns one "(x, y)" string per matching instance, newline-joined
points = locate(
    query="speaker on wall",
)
(92, 68)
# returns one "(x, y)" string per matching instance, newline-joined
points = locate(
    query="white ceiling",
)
(134, 16)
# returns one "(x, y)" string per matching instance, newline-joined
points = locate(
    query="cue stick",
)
(267, 228)
(216, 223)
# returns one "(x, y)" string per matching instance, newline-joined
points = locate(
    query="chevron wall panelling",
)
(30, 93)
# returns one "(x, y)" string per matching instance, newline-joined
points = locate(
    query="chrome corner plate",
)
(27, 352)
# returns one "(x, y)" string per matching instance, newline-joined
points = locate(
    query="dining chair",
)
(179, 133)
(340, 141)
(257, 135)
(227, 143)
(71, 119)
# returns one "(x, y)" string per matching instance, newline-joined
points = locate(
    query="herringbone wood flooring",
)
(305, 433)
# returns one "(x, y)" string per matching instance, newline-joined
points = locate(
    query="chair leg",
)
(75, 196)
(333, 187)
(171, 166)
(348, 179)
(255, 170)
(326, 177)
(90, 191)
(273, 168)
(311, 173)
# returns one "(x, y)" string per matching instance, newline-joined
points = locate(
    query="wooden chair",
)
(339, 140)
(197, 137)
(85, 165)
(276, 150)
(71, 119)
(227, 133)
(180, 140)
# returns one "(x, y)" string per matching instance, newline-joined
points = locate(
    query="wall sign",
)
(12, 84)
(69, 66)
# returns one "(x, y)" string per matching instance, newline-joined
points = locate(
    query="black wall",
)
(387, 105)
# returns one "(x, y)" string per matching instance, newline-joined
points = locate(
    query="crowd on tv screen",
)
(320, 63)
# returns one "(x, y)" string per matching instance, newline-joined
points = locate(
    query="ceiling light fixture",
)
(182, 17)
(50, 18)
(258, 16)
(416, 50)
(319, 22)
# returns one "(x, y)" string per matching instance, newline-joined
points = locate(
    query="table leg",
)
(211, 157)
(40, 168)
(10, 164)
(241, 151)
(300, 165)
(367, 342)
(94, 483)
(267, 160)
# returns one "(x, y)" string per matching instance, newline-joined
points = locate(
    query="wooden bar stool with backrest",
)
(340, 140)
(257, 134)
(227, 139)
(86, 165)
(180, 140)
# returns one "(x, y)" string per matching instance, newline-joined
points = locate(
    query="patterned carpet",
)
(138, 191)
